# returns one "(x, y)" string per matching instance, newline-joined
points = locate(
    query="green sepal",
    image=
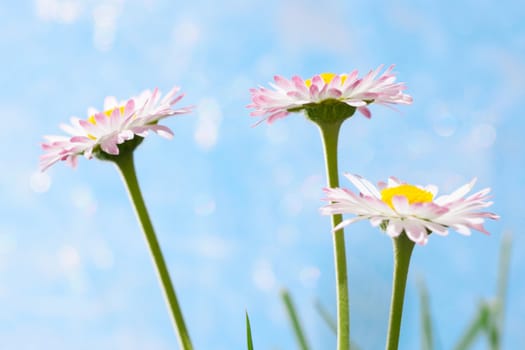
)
(328, 111)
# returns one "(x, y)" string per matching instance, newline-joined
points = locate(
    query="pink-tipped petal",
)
(365, 111)
(363, 185)
(118, 123)
(284, 95)
(416, 219)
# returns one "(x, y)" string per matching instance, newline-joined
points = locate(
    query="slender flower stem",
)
(126, 166)
(330, 135)
(402, 252)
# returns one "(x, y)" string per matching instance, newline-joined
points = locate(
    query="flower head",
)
(117, 123)
(297, 94)
(399, 207)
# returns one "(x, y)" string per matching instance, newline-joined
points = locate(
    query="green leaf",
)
(248, 333)
(475, 328)
(325, 315)
(294, 319)
(490, 315)
(427, 340)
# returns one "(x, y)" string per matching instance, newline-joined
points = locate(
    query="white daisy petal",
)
(459, 193)
(110, 146)
(346, 88)
(401, 205)
(110, 102)
(92, 111)
(434, 227)
(363, 185)
(347, 222)
(124, 136)
(411, 209)
(394, 228)
(415, 231)
(463, 229)
(119, 123)
(393, 182)
(376, 220)
(432, 189)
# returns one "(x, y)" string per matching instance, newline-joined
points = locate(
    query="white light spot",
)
(277, 136)
(443, 122)
(445, 126)
(452, 181)
(40, 182)
(266, 66)
(287, 235)
(366, 153)
(482, 136)
(418, 143)
(212, 247)
(82, 198)
(7, 246)
(294, 22)
(186, 33)
(312, 187)
(69, 262)
(309, 276)
(66, 11)
(239, 86)
(105, 25)
(263, 276)
(70, 11)
(69, 258)
(208, 122)
(283, 175)
(102, 256)
(7, 243)
(292, 204)
(204, 205)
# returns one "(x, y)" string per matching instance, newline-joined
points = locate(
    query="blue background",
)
(236, 207)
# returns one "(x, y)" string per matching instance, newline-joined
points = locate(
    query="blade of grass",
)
(494, 327)
(248, 333)
(503, 277)
(476, 327)
(325, 315)
(294, 319)
(503, 273)
(491, 329)
(427, 340)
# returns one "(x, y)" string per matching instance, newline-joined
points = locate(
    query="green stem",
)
(330, 135)
(126, 166)
(402, 251)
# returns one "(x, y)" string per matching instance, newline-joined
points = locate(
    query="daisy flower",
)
(400, 207)
(117, 123)
(296, 94)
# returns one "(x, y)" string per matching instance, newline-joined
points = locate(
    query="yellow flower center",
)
(92, 120)
(108, 113)
(327, 78)
(412, 193)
